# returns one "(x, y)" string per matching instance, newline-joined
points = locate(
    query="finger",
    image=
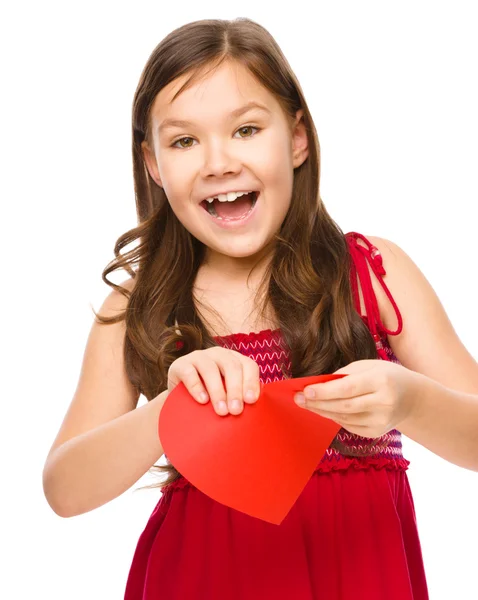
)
(345, 387)
(346, 406)
(200, 374)
(184, 370)
(210, 373)
(336, 417)
(355, 420)
(251, 380)
(232, 370)
(366, 430)
(351, 406)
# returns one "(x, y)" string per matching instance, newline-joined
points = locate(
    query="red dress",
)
(352, 533)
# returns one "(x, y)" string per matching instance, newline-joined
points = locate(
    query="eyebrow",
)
(167, 123)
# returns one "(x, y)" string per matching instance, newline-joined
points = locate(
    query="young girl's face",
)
(217, 151)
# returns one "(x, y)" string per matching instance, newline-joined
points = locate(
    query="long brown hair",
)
(307, 281)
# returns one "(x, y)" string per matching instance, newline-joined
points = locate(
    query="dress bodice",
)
(268, 350)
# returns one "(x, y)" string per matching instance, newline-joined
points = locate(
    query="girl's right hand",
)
(240, 372)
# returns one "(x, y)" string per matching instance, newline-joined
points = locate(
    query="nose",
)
(219, 161)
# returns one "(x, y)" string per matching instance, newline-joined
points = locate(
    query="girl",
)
(241, 273)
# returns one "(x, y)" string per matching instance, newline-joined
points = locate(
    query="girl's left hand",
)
(374, 398)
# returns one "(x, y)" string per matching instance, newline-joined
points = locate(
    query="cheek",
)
(177, 192)
(169, 165)
(273, 158)
(280, 178)
(184, 213)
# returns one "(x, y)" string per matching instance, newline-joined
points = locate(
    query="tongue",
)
(234, 210)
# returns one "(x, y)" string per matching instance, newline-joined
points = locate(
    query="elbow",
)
(57, 509)
(61, 495)
(56, 506)
(51, 491)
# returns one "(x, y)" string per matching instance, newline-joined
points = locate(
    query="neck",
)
(231, 271)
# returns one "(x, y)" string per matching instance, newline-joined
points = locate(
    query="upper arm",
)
(428, 343)
(104, 391)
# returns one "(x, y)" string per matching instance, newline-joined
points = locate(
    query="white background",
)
(392, 90)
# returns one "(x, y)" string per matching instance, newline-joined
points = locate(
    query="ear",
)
(150, 162)
(300, 145)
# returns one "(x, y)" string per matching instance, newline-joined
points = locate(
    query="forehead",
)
(220, 91)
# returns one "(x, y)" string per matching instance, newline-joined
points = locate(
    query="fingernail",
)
(222, 406)
(299, 399)
(250, 395)
(203, 397)
(310, 392)
(236, 405)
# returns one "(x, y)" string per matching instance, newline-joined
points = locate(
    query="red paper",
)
(257, 462)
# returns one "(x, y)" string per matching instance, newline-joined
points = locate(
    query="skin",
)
(375, 397)
(216, 156)
(431, 397)
(254, 151)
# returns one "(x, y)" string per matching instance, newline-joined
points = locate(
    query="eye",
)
(173, 145)
(248, 127)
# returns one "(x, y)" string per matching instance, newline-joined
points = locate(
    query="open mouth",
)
(231, 211)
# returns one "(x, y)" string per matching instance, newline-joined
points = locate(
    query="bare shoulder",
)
(129, 283)
(116, 301)
(428, 342)
(118, 296)
(104, 391)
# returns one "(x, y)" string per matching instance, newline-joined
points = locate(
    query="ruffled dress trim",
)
(275, 335)
(351, 534)
(342, 464)
(254, 336)
(261, 344)
(362, 463)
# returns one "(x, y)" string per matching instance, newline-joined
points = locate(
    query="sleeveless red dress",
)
(352, 533)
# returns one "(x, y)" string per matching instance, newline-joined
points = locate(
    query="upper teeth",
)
(229, 197)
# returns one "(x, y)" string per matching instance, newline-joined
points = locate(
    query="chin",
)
(240, 250)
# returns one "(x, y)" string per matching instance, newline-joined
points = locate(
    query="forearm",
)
(445, 421)
(99, 465)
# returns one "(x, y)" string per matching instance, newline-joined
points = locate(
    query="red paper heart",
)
(257, 462)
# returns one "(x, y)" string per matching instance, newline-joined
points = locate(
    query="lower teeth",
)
(212, 211)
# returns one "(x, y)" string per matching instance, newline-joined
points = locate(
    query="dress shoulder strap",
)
(360, 255)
